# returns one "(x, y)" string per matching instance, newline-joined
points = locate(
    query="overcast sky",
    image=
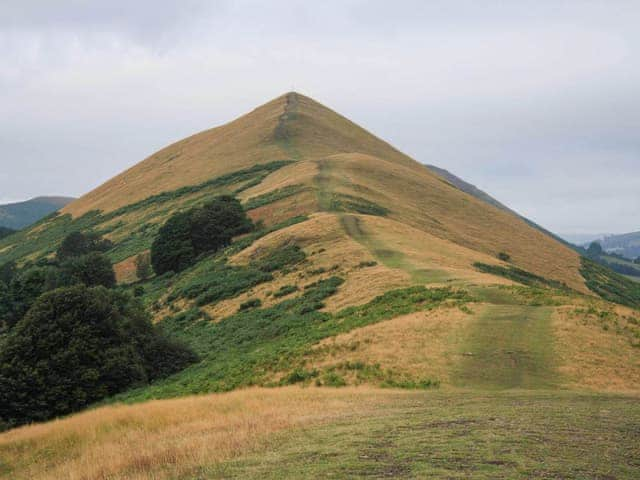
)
(536, 102)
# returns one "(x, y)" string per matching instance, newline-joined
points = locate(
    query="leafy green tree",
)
(172, 249)
(77, 243)
(22, 292)
(188, 234)
(214, 224)
(75, 346)
(92, 269)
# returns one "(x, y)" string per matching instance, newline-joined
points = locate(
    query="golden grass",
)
(419, 345)
(591, 357)
(420, 199)
(352, 161)
(170, 438)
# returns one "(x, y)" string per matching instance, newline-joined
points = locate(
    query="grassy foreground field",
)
(338, 433)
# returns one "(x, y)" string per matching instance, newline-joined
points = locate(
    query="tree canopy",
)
(75, 346)
(185, 235)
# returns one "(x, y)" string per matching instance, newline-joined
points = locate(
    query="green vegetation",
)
(5, 232)
(609, 285)
(281, 258)
(257, 173)
(249, 304)
(215, 281)
(249, 347)
(75, 346)
(151, 212)
(521, 276)
(200, 230)
(273, 196)
(460, 435)
(285, 290)
(143, 266)
(92, 269)
(78, 243)
(505, 257)
(509, 346)
(340, 202)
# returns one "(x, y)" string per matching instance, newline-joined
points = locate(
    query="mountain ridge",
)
(17, 215)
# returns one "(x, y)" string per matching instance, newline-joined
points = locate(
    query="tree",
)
(92, 269)
(22, 292)
(214, 224)
(594, 250)
(8, 271)
(200, 230)
(172, 249)
(143, 266)
(75, 346)
(77, 243)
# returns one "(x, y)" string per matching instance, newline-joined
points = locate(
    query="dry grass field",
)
(170, 438)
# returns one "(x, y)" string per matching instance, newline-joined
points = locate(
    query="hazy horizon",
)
(536, 103)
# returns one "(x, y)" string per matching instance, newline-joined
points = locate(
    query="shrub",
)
(285, 290)
(92, 270)
(75, 346)
(250, 304)
(505, 257)
(77, 243)
(280, 258)
(143, 266)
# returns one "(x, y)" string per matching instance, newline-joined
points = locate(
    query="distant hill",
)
(627, 245)
(485, 197)
(5, 232)
(22, 214)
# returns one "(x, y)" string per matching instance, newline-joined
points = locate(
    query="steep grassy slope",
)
(337, 167)
(22, 214)
(365, 269)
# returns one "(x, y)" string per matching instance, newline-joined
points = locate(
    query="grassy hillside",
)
(365, 269)
(22, 214)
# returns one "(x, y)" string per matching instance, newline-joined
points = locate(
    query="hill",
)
(364, 269)
(22, 214)
(627, 245)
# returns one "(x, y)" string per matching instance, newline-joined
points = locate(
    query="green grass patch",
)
(340, 202)
(459, 435)
(519, 275)
(610, 285)
(280, 258)
(509, 346)
(250, 346)
(273, 196)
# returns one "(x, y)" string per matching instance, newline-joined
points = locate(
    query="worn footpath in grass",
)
(509, 346)
(462, 435)
(389, 257)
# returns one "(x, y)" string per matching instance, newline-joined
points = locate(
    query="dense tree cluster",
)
(188, 234)
(75, 346)
(78, 243)
(69, 338)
